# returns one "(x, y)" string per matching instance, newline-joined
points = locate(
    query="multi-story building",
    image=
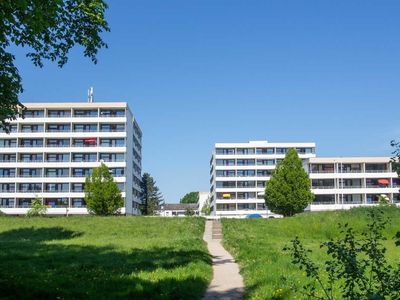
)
(343, 182)
(50, 151)
(239, 172)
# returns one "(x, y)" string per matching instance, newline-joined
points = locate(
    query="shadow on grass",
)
(31, 267)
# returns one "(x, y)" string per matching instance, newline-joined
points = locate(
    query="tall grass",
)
(257, 246)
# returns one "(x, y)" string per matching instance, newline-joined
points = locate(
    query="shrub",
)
(357, 267)
(37, 209)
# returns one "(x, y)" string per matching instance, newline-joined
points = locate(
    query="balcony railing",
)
(377, 171)
(323, 187)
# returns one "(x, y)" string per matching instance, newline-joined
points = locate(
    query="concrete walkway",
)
(227, 283)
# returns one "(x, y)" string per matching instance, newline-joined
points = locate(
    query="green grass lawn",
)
(103, 258)
(267, 270)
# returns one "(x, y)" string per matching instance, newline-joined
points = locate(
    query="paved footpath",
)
(227, 283)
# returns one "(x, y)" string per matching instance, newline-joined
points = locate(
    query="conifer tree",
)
(102, 195)
(151, 195)
(289, 190)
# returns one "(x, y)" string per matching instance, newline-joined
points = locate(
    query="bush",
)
(357, 268)
(37, 209)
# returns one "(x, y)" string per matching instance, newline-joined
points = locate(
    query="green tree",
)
(206, 209)
(37, 209)
(151, 195)
(102, 195)
(191, 197)
(49, 29)
(396, 158)
(288, 191)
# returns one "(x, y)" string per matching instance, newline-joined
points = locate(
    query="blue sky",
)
(197, 72)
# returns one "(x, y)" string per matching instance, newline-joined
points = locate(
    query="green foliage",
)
(192, 197)
(103, 258)
(189, 212)
(396, 158)
(289, 190)
(357, 265)
(206, 209)
(49, 29)
(102, 195)
(151, 195)
(38, 209)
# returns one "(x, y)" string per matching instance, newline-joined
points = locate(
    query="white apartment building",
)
(50, 151)
(344, 182)
(239, 172)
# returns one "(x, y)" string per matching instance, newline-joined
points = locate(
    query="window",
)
(85, 113)
(11, 128)
(225, 173)
(117, 172)
(112, 142)
(81, 172)
(31, 142)
(57, 143)
(246, 195)
(225, 162)
(7, 172)
(225, 184)
(78, 187)
(58, 127)
(264, 173)
(77, 157)
(55, 172)
(224, 151)
(281, 150)
(7, 157)
(28, 157)
(57, 157)
(58, 113)
(305, 150)
(246, 173)
(245, 151)
(31, 128)
(8, 143)
(7, 187)
(87, 142)
(78, 202)
(30, 187)
(28, 172)
(112, 156)
(85, 127)
(7, 202)
(33, 113)
(246, 184)
(56, 187)
(245, 162)
(246, 206)
(112, 113)
(265, 151)
(56, 202)
(261, 184)
(265, 162)
(112, 127)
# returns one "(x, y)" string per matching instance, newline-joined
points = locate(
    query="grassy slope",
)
(257, 246)
(103, 258)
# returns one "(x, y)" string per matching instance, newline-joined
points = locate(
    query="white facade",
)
(239, 172)
(49, 153)
(345, 182)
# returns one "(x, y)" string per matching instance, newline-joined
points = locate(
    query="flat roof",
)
(266, 144)
(350, 159)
